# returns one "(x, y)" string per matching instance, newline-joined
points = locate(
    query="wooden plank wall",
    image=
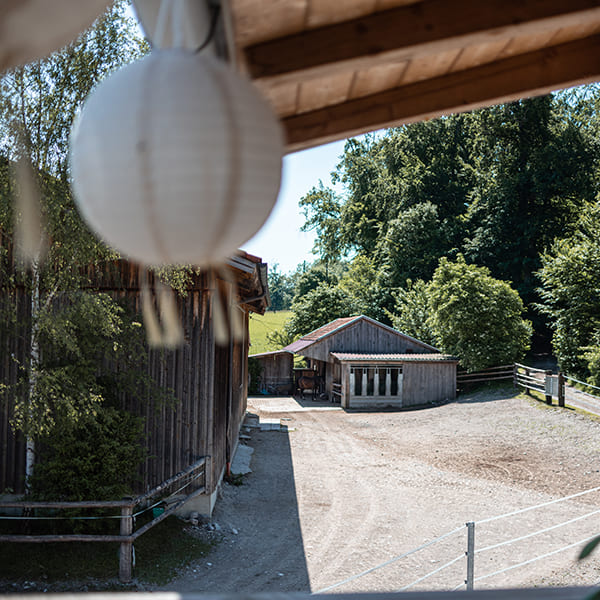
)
(277, 370)
(198, 373)
(365, 337)
(14, 344)
(428, 382)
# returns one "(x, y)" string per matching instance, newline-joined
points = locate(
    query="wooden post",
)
(470, 555)
(364, 382)
(126, 549)
(376, 382)
(388, 382)
(515, 375)
(561, 390)
(526, 388)
(548, 379)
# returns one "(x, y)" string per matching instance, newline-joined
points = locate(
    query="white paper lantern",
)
(176, 159)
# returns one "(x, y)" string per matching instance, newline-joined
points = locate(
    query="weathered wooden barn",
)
(365, 363)
(209, 380)
(276, 371)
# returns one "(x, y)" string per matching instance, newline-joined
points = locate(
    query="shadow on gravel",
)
(261, 549)
(487, 393)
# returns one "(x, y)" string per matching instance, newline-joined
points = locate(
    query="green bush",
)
(96, 458)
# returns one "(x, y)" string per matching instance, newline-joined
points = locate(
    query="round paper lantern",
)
(33, 29)
(176, 159)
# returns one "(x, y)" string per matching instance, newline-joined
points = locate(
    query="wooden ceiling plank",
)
(530, 74)
(428, 27)
(283, 98)
(319, 92)
(377, 79)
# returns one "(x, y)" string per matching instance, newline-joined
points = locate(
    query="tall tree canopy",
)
(476, 317)
(570, 294)
(497, 185)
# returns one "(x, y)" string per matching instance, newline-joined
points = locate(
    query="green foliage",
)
(94, 458)
(571, 297)
(317, 308)
(414, 243)
(281, 289)
(411, 313)
(91, 351)
(265, 331)
(255, 371)
(533, 174)
(476, 317)
(497, 185)
(321, 207)
(367, 289)
(318, 273)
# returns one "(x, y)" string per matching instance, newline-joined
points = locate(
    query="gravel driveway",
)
(336, 493)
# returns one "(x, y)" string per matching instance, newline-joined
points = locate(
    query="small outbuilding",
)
(365, 363)
(274, 374)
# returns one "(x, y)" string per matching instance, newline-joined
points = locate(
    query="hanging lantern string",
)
(166, 333)
(172, 12)
(216, 11)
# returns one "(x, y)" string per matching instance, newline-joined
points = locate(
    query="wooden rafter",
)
(402, 33)
(529, 74)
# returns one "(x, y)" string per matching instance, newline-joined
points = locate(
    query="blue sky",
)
(280, 240)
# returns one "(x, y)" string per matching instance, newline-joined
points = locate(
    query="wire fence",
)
(471, 551)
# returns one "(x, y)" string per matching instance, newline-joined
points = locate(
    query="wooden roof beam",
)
(402, 33)
(529, 74)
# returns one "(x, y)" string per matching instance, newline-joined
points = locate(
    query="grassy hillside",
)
(261, 325)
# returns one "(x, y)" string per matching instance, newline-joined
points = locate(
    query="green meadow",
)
(261, 325)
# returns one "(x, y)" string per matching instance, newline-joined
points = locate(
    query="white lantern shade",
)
(176, 159)
(32, 29)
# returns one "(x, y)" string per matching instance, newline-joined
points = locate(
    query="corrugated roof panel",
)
(432, 357)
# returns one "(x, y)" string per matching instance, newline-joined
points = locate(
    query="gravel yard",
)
(336, 493)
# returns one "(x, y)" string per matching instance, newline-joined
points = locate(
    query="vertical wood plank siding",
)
(198, 373)
(15, 309)
(428, 382)
(366, 337)
(277, 371)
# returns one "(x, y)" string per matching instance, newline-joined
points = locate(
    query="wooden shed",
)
(209, 380)
(276, 372)
(377, 380)
(365, 363)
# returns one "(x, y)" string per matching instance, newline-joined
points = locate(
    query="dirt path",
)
(342, 492)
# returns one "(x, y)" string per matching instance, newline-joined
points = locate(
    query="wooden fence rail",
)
(490, 374)
(127, 535)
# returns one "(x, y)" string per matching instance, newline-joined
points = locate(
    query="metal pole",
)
(470, 554)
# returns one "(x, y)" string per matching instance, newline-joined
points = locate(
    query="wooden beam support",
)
(529, 74)
(402, 33)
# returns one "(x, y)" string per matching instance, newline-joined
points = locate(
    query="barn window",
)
(382, 375)
(370, 381)
(395, 375)
(356, 380)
